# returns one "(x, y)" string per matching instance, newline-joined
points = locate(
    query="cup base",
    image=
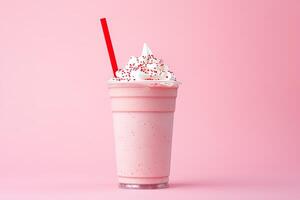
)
(143, 186)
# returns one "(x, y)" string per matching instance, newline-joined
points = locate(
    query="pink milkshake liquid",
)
(143, 122)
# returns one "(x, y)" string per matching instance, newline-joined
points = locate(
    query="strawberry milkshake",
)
(143, 96)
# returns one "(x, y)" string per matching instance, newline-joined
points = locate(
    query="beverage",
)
(143, 112)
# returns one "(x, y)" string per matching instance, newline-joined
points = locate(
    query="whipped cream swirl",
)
(144, 67)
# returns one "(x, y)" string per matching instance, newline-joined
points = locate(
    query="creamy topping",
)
(144, 67)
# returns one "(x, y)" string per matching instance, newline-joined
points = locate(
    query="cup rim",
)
(145, 83)
(164, 82)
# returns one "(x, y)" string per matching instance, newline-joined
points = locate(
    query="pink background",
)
(237, 121)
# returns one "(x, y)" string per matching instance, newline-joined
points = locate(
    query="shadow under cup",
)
(143, 122)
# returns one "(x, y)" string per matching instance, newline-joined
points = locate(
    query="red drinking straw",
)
(109, 46)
